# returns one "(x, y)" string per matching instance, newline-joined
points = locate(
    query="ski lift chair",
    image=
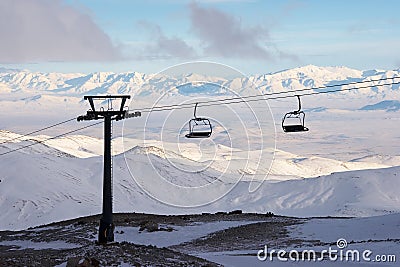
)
(199, 127)
(294, 121)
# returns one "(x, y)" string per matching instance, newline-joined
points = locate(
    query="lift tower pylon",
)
(106, 228)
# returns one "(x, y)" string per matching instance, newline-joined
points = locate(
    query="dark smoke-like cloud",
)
(163, 46)
(48, 30)
(223, 35)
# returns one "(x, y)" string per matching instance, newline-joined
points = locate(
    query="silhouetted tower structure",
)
(106, 228)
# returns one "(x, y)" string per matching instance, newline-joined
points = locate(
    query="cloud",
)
(223, 35)
(216, 34)
(163, 46)
(48, 30)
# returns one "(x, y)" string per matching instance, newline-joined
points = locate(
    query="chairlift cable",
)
(54, 137)
(218, 102)
(243, 99)
(40, 130)
(210, 103)
(189, 105)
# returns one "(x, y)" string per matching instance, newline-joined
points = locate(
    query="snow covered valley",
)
(339, 180)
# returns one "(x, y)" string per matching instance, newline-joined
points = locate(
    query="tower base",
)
(106, 232)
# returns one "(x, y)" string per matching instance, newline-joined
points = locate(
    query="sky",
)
(253, 36)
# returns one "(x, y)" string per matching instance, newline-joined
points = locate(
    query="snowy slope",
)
(41, 184)
(61, 178)
(285, 165)
(378, 235)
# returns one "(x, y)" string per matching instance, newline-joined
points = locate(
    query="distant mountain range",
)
(139, 84)
(388, 105)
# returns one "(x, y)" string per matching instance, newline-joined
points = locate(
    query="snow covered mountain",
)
(388, 105)
(139, 84)
(343, 166)
(44, 183)
(60, 96)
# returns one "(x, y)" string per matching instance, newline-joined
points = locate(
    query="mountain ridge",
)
(58, 186)
(135, 83)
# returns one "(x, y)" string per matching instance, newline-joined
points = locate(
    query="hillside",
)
(223, 239)
(342, 166)
(68, 184)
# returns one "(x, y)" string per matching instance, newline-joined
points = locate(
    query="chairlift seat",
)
(198, 135)
(294, 128)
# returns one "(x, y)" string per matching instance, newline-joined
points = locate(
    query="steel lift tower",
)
(106, 229)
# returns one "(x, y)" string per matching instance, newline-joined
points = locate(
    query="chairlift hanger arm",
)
(195, 108)
(298, 98)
